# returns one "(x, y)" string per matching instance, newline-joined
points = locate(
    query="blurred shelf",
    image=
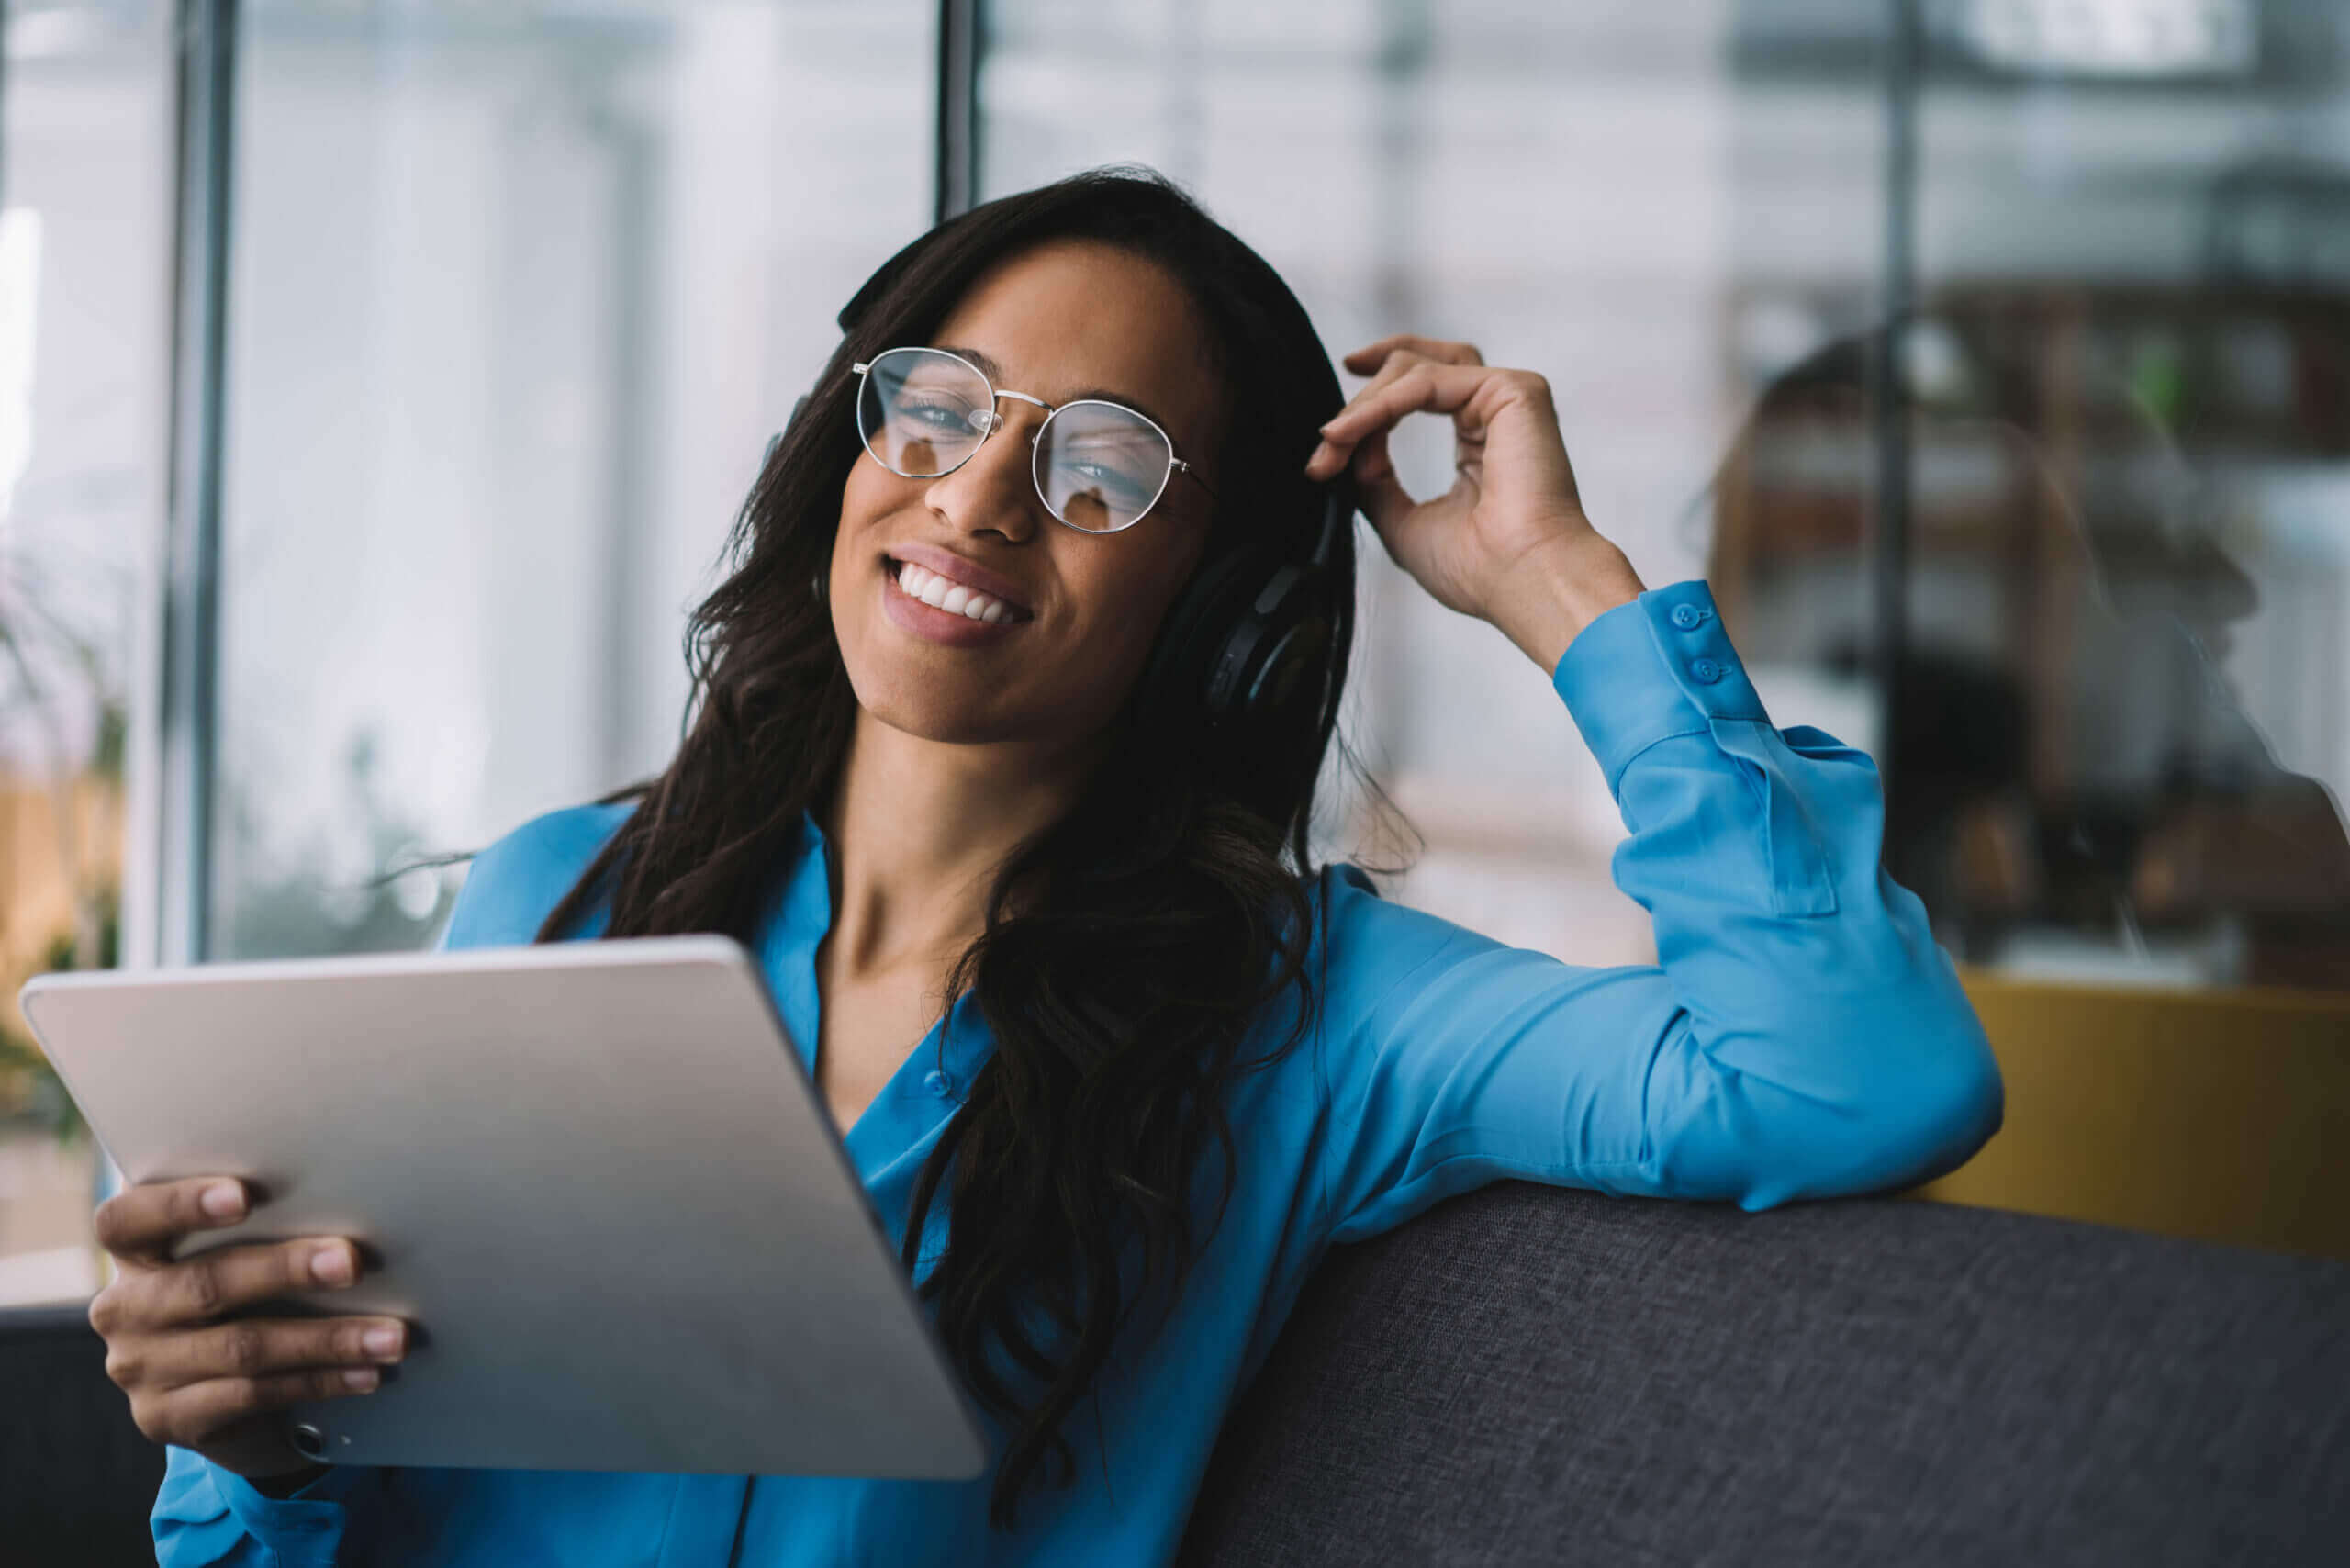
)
(2257, 373)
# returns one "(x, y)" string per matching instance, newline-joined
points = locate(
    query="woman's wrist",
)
(1550, 595)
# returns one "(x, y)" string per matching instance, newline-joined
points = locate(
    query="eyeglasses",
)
(1099, 467)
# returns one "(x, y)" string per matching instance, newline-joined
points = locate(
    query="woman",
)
(1115, 1061)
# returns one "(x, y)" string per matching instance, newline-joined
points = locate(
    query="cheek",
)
(850, 597)
(1128, 609)
(869, 498)
(864, 500)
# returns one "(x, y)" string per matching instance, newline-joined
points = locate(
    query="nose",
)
(994, 491)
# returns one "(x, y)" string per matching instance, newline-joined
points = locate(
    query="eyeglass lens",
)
(1098, 466)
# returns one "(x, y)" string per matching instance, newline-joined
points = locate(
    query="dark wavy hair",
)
(1160, 920)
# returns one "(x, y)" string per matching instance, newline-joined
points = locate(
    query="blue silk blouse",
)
(1801, 1036)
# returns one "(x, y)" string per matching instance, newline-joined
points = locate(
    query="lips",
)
(917, 581)
(914, 566)
(916, 601)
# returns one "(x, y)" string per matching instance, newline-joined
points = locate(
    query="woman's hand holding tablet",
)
(200, 1374)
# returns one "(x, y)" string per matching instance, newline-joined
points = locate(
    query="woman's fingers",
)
(1420, 385)
(1345, 431)
(212, 1284)
(1435, 387)
(256, 1347)
(1402, 370)
(1377, 491)
(140, 1224)
(199, 1414)
(205, 1287)
(1370, 356)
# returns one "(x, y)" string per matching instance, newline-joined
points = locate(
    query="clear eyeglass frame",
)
(987, 423)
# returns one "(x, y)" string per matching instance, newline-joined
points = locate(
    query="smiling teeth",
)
(921, 583)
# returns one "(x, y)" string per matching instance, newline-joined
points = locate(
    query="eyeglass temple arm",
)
(1177, 463)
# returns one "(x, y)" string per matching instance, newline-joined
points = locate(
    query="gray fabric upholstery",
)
(1528, 1375)
(77, 1474)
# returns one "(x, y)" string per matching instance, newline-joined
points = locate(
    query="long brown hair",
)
(1173, 912)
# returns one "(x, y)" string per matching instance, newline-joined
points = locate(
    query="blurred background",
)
(379, 379)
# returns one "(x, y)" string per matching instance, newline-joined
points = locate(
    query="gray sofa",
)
(1535, 1376)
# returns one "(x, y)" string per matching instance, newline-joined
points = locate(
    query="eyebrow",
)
(1102, 393)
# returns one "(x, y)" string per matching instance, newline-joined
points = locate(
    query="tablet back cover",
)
(594, 1176)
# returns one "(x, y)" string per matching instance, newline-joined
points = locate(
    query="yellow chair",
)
(2219, 1114)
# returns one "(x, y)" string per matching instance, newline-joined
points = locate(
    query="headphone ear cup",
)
(1196, 642)
(1239, 646)
(1277, 679)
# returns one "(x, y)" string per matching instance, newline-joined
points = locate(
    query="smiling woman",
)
(1116, 1061)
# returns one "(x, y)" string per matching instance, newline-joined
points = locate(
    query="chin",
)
(932, 705)
(928, 710)
(948, 697)
(935, 721)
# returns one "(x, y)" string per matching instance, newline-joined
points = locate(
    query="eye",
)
(1106, 477)
(938, 413)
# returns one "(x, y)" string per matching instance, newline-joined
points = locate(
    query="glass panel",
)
(2135, 336)
(1590, 192)
(2122, 705)
(85, 166)
(519, 294)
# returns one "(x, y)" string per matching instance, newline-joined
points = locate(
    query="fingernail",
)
(382, 1340)
(359, 1379)
(331, 1265)
(223, 1200)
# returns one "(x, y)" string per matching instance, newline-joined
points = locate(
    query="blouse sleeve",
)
(205, 1517)
(1801, 1035)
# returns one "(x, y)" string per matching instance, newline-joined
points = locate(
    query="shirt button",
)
(938, 1083)
(1688, 617)
(1705, 670)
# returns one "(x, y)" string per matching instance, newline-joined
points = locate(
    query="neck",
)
(919, 830)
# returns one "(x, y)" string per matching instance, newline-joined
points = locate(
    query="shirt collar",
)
(799, 915)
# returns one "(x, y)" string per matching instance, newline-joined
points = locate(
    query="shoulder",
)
(1373, 947)
(517, 881)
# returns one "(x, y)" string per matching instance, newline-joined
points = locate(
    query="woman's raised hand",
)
(1508, 542)
(199, 1374)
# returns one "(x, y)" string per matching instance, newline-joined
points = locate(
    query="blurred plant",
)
(47, 669)
(305, 911)
(30, 1091)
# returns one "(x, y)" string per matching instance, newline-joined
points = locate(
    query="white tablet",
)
(594, 1176)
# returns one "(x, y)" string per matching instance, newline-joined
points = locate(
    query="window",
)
(86, 160)
(518, 295)
(515, 296)
(2084, 551)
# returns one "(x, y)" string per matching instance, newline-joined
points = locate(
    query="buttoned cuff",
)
(1659, 666)
(306, 1527)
